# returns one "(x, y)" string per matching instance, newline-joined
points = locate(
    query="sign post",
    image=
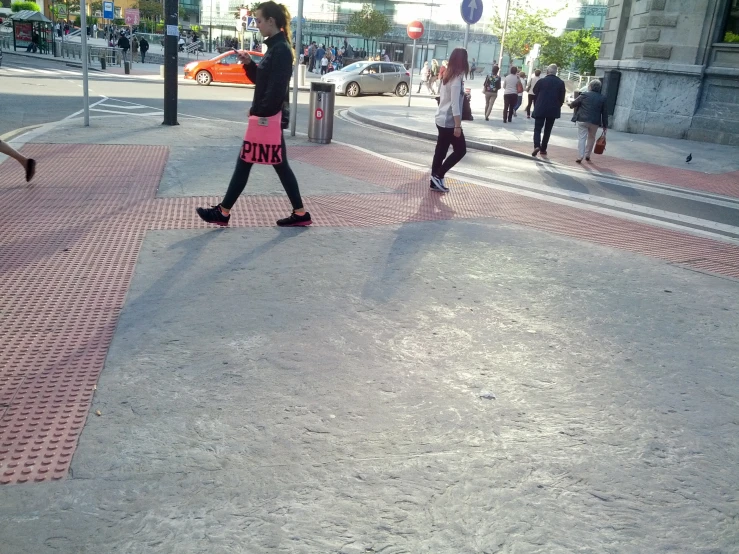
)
(415, 31)
(85, 83)
(170, 62)
(471, 13)
(296, 69)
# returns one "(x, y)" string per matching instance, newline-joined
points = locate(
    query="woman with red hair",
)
(449, 119)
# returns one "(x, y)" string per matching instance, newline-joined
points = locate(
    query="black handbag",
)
(466, 108)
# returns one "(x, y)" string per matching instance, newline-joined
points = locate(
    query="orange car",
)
(224, 68)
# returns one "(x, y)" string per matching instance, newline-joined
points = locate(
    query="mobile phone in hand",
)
(244, 56)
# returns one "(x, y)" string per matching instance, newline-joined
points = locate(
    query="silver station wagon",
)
(370, 78)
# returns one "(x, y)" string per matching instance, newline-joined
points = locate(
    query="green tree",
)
(525, 28)
(368, 23)
(21, 6)
(585, 50)
(576, 50)
(556, 50)
(149, 9)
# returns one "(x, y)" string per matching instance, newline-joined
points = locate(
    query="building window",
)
(731, 32)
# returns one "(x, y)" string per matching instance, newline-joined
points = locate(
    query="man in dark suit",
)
(550, 94)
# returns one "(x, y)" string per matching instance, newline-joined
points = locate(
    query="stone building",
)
(673, 68)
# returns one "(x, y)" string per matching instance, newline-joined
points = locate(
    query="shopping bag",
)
(600, 144)
(263, 140)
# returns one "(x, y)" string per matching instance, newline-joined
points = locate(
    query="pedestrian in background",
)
(530, 89)
(425, 75)
(449, 119)
(519, 101)
(490, 87)
(29, 164)
(473, 68)
(510, 94)
(590, 114)
(271, 78)
(124, 45)
(550, 95)
(144, 47)
(434, 75)
(134, 47)
(442, 70)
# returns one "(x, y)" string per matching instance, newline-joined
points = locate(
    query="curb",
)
(66, 61)
(10, 135)
(477, 145)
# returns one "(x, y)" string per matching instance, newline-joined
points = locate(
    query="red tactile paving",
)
(69, 243)
(726, 184)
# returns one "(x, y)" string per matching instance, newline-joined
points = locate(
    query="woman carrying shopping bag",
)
(449, 119)
(590, 114)
(268, 110)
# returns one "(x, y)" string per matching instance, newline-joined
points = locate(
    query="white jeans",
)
(586, 138)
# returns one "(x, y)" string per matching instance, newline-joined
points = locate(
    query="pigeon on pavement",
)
(690, 157)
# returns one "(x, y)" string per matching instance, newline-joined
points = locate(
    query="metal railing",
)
(5, 42)
(111, 54)
(576, 78)
(193, 48)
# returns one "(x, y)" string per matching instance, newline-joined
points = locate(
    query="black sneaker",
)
(295, 220)
(437, 183)
(213, 215)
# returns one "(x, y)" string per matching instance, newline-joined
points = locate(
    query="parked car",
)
(224, 68)
(369, 77)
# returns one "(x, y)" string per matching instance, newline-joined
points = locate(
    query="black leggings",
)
(241, 176)
(440, 166)
(532, 102)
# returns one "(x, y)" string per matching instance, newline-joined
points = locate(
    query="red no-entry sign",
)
(415, 30)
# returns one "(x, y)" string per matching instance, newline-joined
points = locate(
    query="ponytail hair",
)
(280, 14)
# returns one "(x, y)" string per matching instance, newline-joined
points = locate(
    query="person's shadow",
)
(413, 239)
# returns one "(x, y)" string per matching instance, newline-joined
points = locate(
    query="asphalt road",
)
(48, 91)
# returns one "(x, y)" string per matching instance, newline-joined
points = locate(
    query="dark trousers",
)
(143, 56)
(509, 100)
(547, 123)
(532, 102)
(440, 166)
(241, 176)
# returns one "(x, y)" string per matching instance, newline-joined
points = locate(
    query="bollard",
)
(301, 75)
(127, 67)
(102, 61)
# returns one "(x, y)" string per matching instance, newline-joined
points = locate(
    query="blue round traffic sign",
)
(471, 11)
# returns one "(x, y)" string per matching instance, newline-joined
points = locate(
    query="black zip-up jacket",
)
(591, 108)
(271, 79)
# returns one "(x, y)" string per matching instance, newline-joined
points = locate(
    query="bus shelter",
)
(25, 24)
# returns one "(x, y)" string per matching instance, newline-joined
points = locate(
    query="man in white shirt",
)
(532, 96)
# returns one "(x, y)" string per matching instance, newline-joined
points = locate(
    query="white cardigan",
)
(450, 102)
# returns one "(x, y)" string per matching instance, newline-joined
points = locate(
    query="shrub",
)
(728, 37)
(20, 6)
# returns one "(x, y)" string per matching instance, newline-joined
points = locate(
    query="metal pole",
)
(502, 39)
(466, 35)
(298, 49)
(410, 88)
(83, 36)
(170, 62)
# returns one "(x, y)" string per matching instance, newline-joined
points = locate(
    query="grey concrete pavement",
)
(444, 387)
